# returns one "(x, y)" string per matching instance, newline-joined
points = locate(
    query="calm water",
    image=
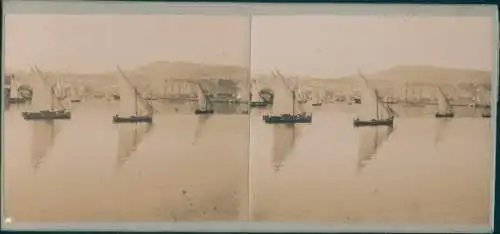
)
(185, 168)
(423, 171)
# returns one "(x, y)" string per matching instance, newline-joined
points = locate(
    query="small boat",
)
(374, 112)
(318, 101)
(255, 98)
(205, 106)
(45, 103)
(287, 109)
(486, 113)
(15, 96)
(445, 110)
(133, 108)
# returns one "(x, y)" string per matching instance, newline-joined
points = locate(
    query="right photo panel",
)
(371, 120)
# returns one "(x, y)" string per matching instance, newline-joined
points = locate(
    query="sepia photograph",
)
(126, 118)
(264, 118)
(374, 119)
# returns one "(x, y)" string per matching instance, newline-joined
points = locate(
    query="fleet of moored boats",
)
(287, 107)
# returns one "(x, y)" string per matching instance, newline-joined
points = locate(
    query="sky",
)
(335, 46)
(97, 43)
(325, 46)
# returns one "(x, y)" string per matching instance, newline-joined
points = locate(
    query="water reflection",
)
(43, 138)
(202, 121)
(129, 137)
(371, 138)
(285, 137)
(441, 126)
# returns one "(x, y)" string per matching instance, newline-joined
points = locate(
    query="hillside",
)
(428, 75)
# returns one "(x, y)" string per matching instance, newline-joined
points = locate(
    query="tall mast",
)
(135, 104)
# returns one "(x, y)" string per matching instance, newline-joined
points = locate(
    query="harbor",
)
(340, 121)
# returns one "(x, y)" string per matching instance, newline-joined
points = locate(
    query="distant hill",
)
(154, 73)
(429, 75)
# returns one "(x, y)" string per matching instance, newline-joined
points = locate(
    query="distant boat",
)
(445, 110)
(15, 96)
(45, 103)
(370, 139)
(43, 138)
(286, 106)
(285, 137)
(133, 108)
(255, 98)
(374, 112)
(318, 101)
(205, 106)
(129, 137)
(486, 113)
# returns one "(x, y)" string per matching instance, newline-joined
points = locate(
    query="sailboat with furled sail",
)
(133, 108)
(285, 137)
(445, 110)
(44, 103)
(205, 106)
(130, 136)
(370, 139)
(287, 108)
(43, 138)
(374, 112)
(255, 98)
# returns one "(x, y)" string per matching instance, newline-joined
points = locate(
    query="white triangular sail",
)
(43, 138)
(14, 88)
(44, 96)
(370, 139)
(203, 101)
(131, 103)
(254, 92)
(372, 107)
(283, 102)
(443, 104)
(316, 97)
(129, 138)
(285, 137)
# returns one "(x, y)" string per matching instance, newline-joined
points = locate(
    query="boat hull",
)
(486, 115)
(317, 104)
(446, 115)
(376, 122)
(287, 119)
(17, 100)
(46, 115)
(203, 112)
(133, 119)
(258, 104)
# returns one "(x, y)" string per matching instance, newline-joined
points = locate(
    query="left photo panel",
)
(125, 117)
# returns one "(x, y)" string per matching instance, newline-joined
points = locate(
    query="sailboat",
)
(370, 141)
(43, 138)
(445, 110)
(318, 101)
(375, 113)
(130, 136)
(45, 103)
(133, 108)
(255, 98)
(286, 106)
(481, 102)
(15, 94)
(205, 106)
(285, 137)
